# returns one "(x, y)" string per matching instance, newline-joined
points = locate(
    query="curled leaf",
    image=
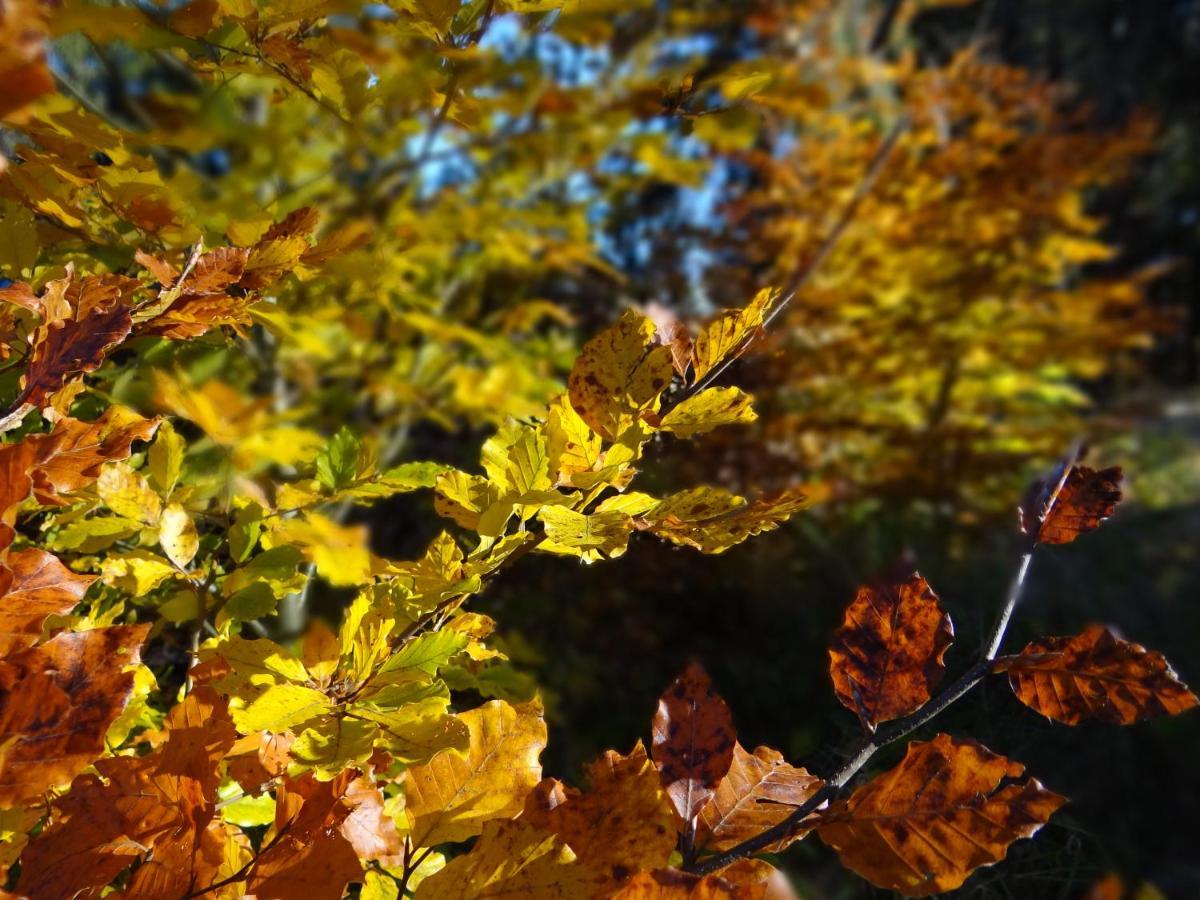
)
(1059, 512)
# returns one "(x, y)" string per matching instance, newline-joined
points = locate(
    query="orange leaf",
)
(887, 656)
(1095, 675)
(71, 455)
(693, 740)
(759, 792)
(34, 585)
(748, 879)
(1058, 513)
(622, 824)
(310, 859)
(155, 808)
(56, 703)
(927, 824)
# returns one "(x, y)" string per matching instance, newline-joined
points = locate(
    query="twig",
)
(806, 271)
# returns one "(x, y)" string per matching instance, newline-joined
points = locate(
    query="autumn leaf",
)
(511, 859)
(34, 585)
(728, 333)
(619, 374)
(949, 807)
(599, 535)
(56, 702)
(886, 658)
(23, 72)
(759, 791)
(745, 880)
(454, 794)
(1095, 675)
(707, 410)
(99, 319)
(693, 741)
(623, 823)
(72, 455)
(1058, 513)
(712, 520)
(154, 807)
(308, 857)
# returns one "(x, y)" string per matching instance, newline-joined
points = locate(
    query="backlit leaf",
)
(1095, 675)
(759, 791)
(709, 409)
(450, 797)
(693, 741)
(886, 658)
(948, 808)
(1057, 514)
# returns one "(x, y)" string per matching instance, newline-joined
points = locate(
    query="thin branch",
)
(806, 271)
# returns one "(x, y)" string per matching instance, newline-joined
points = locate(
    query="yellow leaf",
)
(128, 494)
(712, 520)
(707, 410)
(165, 458)
(177, 535)
(728, 332)
(338, 551)
(450, 797)
(281, 707)
(511, 859)
(136, 572)
(601, 535)
(619, 374)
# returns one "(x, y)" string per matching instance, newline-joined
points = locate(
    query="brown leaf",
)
(33, 586)
(948, 808)
(15, 482)
(759, 791)
(56, 703)
(622, 824)
(154, 808)
(371, 833)
(1059, 512)
(886, 658)
(747, 879)
(693, 740)
(71, 347)
(310, 859)
(1095, 675)
(71, 455)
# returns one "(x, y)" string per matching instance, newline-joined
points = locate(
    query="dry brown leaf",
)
(56, 702)
(886, 658)
(1095, 675)
(33, 586)
(153, 808)
(759, 791)
(623, 823)
(693, 740)
(1059, 513)
(949, 807)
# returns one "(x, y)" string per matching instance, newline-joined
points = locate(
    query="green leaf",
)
(337, 464)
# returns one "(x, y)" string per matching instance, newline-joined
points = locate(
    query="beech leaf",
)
(949, 807)
(1058, 513)
(1095, 675)
(886, 658)
(454, 794)
(693, 740)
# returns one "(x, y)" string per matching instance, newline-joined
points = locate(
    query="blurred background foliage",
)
(496, 180)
